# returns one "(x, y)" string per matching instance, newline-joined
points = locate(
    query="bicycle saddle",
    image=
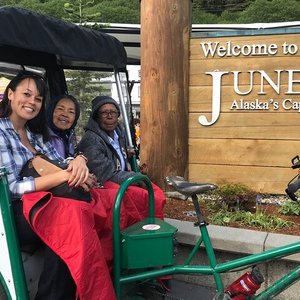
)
(188, 188)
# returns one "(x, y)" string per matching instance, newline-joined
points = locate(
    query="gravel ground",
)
(274, 199)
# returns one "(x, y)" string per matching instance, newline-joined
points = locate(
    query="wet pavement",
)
(187, 291)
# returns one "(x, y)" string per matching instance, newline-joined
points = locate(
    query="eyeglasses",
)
(106, 113)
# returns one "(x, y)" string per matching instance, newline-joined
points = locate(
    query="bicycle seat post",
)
(200, 217)
(190, 189)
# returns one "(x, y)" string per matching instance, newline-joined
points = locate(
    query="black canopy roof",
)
(30, 38)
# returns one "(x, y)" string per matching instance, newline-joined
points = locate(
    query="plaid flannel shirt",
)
(14, 156)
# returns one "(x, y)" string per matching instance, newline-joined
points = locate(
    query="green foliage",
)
(235, 203)
(247, 11)
(202, 17)
(271, 11)
(85, 86)
(290, 208)
(117, 11)
(233, 196)
(229, 17)
(51, 7)
(203, 11)
(258, 219)
(106, 11)
(76, 11)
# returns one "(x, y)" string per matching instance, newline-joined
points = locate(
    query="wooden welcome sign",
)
(244, 108)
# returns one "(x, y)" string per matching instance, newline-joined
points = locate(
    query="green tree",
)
(236, 5)
(200, 16)
(76, 11)
(117, 11)
(219, 6)
(85, 86)
(48, 7)
(271, 11)
(229, 17)
(217, 11)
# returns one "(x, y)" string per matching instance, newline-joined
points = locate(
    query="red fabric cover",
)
(139, 197)
(68, 227)
(81, 233)
(134, 208)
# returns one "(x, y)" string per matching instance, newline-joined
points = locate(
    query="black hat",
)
(101, 100)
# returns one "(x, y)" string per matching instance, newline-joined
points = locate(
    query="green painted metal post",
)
(116, 223)
(12, 241)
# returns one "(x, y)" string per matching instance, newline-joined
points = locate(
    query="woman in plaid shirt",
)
(23, 133)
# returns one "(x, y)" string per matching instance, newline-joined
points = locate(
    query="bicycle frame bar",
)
(213, 268)
(217, 269)
(116, 223)
(279, 285)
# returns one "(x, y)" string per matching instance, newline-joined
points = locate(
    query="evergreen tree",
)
(75, 10)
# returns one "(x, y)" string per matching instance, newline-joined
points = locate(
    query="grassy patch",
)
(235, 203)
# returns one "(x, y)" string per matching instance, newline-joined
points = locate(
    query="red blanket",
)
(81, 233)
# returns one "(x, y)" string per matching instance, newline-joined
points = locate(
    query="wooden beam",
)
(165, 32)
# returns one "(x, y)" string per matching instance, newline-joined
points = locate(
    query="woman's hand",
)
(79, 171)
(130, 152)
(91, 182)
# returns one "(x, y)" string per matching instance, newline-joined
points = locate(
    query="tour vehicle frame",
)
(213, 268)
(30, 40)
(48, 46)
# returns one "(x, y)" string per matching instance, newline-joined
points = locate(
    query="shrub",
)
(233, 196)
(290, 208)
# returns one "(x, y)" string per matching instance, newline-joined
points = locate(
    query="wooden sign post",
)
(165, 33)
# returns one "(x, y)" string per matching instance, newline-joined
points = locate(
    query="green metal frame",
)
(12, 241)
(116, 223)
(213, 268)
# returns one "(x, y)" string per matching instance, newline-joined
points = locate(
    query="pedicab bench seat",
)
(148, 243)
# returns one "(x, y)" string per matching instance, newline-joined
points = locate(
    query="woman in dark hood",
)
(62, 116)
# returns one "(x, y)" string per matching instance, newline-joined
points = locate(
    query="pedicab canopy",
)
(29, 38)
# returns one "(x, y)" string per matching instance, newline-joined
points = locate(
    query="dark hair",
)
(51, 107)
(37, 124)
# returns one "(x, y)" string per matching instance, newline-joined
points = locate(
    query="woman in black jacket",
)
(105, 146)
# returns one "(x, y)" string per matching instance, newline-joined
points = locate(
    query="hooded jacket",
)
(103, 159)
(59, 145)
(64, 141)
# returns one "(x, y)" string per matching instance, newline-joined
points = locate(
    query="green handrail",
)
(116, 223)
(134, 164)
(11, 238)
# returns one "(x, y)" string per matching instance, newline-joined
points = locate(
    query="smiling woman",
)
(62, 116)
(23, 134)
